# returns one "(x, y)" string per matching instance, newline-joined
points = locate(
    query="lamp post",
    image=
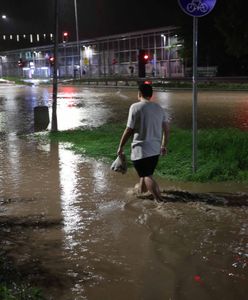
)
(77, 37)
(55, 67)
(3, 17)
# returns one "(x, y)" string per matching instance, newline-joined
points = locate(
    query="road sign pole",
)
(195, 9)
(194, 98)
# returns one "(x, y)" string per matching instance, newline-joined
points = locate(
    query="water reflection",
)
(215, 109)
(81, 106)
(113, 245)
(77, 108)
(69, 197)
(99, 177)
(13, 161)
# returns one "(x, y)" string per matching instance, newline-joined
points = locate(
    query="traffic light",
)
(143, 58)
(51, 61)
(20, 63)
(65, 37)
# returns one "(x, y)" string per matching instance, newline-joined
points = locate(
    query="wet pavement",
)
(76, 229)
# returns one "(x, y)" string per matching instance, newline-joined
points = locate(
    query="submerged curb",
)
(217, 199)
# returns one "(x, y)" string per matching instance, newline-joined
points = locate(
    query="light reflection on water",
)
(68, 181)
(113, 245)
(81, 106)
(142, 250)
(215, 109)
(77, 108)
(93, 107)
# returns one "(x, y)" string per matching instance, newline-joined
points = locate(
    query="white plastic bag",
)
(120, 164)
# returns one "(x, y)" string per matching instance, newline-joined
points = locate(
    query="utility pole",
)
(77, 36)
(55, 68)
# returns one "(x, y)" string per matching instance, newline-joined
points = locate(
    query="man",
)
(148, 125)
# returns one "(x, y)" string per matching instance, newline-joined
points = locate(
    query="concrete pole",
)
(54, 127)
(77, 36)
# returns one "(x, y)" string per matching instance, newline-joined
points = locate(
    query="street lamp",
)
(78, 48)
(3, 17)
(54, 127)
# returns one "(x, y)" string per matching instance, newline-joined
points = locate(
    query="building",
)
(115, 55)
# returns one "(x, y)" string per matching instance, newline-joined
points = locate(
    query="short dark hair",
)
(146, 90)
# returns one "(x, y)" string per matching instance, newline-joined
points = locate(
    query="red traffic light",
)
(143, 56)
(65, 36)
(51, 60)
(20, 63)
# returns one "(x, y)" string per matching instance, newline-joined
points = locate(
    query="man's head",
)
(145, 91)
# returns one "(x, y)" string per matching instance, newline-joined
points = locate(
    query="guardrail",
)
(134, 81)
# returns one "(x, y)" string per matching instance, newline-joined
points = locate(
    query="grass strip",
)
(222, 153)
(19, 292)
(12, 284)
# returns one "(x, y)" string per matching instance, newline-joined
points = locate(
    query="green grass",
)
(222, 156)
(222, 153)
(17, 80)
(101, 142)
(12, 284)
(19, 292)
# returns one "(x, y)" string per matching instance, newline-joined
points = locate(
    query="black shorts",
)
(146, 166)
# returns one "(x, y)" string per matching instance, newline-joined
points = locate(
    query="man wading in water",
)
(148, 124)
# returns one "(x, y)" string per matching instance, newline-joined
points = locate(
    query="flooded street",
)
(74, 228)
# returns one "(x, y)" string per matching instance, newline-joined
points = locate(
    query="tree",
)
(232, 24)
(223, 38)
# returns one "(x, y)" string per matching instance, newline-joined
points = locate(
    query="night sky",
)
(95, 17)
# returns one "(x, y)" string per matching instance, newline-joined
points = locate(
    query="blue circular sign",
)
(197, 8)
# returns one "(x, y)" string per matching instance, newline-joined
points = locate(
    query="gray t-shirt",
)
(146, 118)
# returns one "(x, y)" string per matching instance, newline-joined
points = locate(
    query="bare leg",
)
(142, 185)
(153, 187)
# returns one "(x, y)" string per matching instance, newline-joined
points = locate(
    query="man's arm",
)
(165, 139)
(125, 136)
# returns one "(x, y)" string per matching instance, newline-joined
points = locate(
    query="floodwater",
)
(74, 228)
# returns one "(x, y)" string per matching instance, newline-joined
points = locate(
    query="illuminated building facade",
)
(115, 55)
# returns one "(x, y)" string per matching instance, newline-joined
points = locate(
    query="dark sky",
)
(95, 17)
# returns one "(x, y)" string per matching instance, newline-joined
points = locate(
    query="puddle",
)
(72, 227)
